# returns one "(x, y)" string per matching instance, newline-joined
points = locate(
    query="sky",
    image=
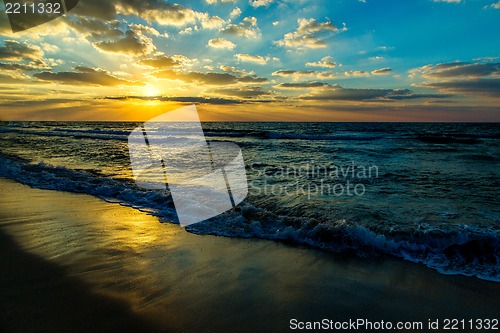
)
(256, 60)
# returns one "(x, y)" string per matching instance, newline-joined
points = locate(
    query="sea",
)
(424, 192)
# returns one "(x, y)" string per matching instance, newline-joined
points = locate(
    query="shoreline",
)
(157, 274)
(458, 250)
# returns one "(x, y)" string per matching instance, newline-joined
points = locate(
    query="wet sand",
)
(74, 263)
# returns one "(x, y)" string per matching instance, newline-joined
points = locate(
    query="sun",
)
(150, 90)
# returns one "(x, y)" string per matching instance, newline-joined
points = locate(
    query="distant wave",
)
(84, 134)
(466, 250)
(122, 135)
(445, 139)
(274, 135)
(471, 138)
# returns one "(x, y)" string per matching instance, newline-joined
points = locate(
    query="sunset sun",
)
(150, 90)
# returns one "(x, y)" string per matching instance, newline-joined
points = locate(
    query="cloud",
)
(181, 99)
(251, 79)
(132, 43)
(251, 58)
(221, 43)
(187, 31)
(15, 67)
(235, 12)
(208, 78)
(326, 62)
(382, 71)
(260, 3)
(184, 61)
(159, 61)
(242, 92)
(243, 75)
(295, 74)
(11, 79)
(483, 86)
(84, 75)
(458, 69)
(21, 57)
(357, 73)
(50, 48)
(146, 30)
(153, 11)
(211, 2)
(15, 51)
(33, 65)
(198, 78)
(326, 92)
(93, 28)
(309, 35)
(384, 48)
(325, 75)
(310, 26)
(157, 11)
(104, 10)
(467, 78)
(338, 93)
(234, 70)
(302, 85)
(246, 28)
(203, 100)
(400, 94)
(210, 22)
(291, 72)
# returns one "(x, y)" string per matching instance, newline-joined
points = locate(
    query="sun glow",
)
(150, 90)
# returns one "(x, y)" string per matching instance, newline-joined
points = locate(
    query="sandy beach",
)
(75, 263)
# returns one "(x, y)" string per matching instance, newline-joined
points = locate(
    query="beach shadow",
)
(38, 296)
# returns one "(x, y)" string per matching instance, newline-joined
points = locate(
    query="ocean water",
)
(425, 192)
